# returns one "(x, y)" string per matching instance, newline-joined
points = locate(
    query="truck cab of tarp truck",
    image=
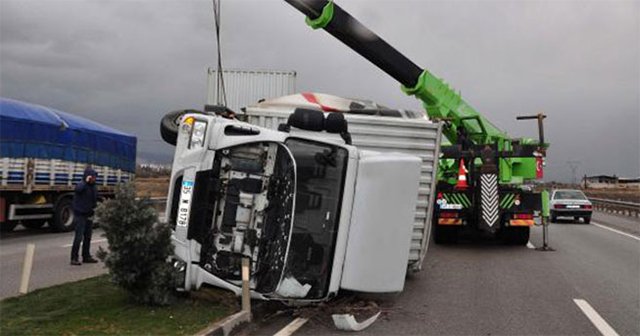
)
(313, 213)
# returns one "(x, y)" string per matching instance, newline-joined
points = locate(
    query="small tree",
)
(139, 247)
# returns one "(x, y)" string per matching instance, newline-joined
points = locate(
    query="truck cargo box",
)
(377, 128)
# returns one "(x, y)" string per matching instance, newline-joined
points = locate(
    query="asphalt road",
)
(51, 260)
(470, 288)
(483, 288)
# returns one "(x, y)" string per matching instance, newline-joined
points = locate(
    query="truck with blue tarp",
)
(43, 153)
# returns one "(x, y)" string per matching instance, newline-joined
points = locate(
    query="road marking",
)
(530, 246)
(93, 241)
(595, 318)
(616, 231)
(290, 328)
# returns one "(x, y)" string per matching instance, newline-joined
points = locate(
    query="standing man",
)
(84, 201)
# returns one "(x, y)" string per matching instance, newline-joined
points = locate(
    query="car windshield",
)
(569, 194)
(320, 173)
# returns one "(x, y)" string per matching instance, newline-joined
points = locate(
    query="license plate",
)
(185, 203)
(573, 207)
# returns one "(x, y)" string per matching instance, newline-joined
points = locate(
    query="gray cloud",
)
(125, 63)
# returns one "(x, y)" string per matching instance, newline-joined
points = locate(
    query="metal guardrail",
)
(617, 207)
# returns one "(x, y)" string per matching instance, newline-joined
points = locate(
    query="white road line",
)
(616, 231)
(531, 246)
(595, 318)
(292, 327)
(93, 241)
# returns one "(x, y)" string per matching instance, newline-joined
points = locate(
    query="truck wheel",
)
(587, 219)
(63, 216)
(170, 123)
(516, 235)
(8, 226)
(445, 235)
(33, 223)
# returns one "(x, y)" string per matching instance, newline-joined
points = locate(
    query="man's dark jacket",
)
(86, 195)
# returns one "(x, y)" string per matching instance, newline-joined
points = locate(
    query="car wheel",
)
(587, 219)
(554, 218)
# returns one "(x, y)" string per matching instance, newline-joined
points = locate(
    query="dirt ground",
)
(620, 194)
(152, 186)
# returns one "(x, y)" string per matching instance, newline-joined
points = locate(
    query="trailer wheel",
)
(33, 223)
(63, 215)
(445, 234)
(170, 123)
(516, 235)
(8, 226)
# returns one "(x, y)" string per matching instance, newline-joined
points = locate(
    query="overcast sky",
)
(126, 63)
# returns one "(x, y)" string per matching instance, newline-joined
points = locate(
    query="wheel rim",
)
(67, 217)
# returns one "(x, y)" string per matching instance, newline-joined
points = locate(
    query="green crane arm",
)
(516, 157)
(443, 103)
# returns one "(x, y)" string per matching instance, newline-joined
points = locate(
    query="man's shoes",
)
(89, 260)
(75, 263)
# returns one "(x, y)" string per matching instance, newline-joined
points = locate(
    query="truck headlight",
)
(198, 134)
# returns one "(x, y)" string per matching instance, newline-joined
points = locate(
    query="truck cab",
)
(312, 213)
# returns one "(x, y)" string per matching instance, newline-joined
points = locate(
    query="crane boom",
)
(439, 99)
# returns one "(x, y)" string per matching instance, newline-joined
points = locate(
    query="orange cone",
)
(462, 176)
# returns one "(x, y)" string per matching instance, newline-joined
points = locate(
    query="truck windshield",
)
(320, 170)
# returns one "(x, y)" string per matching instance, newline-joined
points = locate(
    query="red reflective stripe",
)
(312, 99)
(448, 215)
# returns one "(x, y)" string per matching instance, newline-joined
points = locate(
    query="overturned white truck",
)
(321, 193)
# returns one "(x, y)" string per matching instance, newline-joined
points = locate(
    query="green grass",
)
(97, 307)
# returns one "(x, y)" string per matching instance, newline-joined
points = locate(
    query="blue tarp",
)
(28, 130)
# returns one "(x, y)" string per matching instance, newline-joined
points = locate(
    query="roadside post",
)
(545, 222)
(26, 268)
(246, 296)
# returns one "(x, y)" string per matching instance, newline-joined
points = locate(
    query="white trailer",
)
(246, 87)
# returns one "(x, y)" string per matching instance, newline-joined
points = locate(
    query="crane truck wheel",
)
(169, 125)
(516, 235)
(445, 234)
(63, 215)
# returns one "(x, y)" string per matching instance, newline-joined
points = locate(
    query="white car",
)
(570, 203)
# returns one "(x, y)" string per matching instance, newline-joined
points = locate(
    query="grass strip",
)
(97, 307)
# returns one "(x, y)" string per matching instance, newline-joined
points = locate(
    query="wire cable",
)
(220, 88)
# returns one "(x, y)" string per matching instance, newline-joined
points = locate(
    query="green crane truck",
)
(484, 174)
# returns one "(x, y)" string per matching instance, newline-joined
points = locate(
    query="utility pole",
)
(573, 165)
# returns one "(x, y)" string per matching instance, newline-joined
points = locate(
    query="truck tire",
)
(8, 226)
(445, 234)
(170, 123)
(33, 223)
(63, 215)
(516, 235)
